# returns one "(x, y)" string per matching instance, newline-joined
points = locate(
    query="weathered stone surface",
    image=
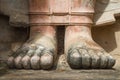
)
(108, 38)
(17, 10)
(60, 75)
(106, 11)
(10, 38)
(9, 33)
(61, 12)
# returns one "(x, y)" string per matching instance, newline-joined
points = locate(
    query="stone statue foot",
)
(84, 57)
(37, 53)
(83, 52)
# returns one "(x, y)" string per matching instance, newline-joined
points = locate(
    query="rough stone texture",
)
(61, 75)
(11, 38)
(17, 10)
(107, 37)
(106, 11)
(61, 12)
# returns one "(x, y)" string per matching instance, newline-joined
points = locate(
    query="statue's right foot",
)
(83, 52)
(37, 53)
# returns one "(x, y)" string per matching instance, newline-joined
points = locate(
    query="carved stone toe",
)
(46, 61)
(35, 57)
(84, 58)
(35, 62)
(74, 59)
(17, 62)
(26, 62)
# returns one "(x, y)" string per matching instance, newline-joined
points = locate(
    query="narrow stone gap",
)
(60, 39)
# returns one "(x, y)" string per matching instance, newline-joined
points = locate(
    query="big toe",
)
(46, 61)
(74, 60)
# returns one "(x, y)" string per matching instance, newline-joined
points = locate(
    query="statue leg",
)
(38, 52)
(81, 50)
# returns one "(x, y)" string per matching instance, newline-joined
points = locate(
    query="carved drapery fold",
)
(61, 12)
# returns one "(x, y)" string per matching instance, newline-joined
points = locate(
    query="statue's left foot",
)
(83, 52)
(86, 57)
